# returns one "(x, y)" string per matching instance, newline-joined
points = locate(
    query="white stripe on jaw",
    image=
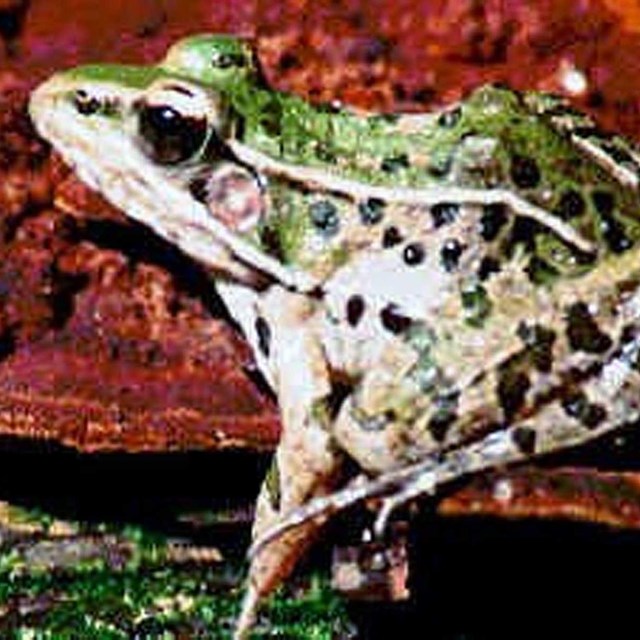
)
(173, 213)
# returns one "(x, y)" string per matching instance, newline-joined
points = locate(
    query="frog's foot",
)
(390, 486)
(275, 560)
(248, 612)
(405, 485)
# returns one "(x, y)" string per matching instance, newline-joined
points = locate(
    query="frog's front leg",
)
(306, 463)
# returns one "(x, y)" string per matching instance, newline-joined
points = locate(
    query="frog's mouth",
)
(93, 133)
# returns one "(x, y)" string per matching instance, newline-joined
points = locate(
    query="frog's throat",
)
(326, 181)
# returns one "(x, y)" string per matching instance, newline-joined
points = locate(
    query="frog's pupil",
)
(525, 172)
(167, 137)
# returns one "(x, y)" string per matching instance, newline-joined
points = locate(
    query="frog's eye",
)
(167, 136)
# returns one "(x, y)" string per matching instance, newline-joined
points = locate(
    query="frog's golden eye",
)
(167, 136)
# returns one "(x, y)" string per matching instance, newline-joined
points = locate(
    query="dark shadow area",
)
(472, 578)
(152, 490)
(141, 244)
(476, 578)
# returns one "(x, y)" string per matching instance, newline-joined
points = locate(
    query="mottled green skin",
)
(368, 148)
(425, 151)
(377, 150)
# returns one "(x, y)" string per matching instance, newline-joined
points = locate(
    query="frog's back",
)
(529, 145)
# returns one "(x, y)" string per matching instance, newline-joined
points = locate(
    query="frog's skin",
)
(429, 295)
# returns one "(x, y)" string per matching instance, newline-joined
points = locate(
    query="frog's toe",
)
(423, 484)
(248, 613)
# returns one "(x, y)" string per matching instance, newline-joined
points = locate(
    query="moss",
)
(149, 597)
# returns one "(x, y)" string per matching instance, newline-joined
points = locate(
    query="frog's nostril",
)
(84, 103)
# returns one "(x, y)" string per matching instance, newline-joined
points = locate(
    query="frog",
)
(429, 295)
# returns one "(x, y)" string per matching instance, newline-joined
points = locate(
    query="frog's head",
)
(146, 136)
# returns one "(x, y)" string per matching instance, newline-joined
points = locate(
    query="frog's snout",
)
(42, 101)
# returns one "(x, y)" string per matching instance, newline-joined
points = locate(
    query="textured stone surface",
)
(109, 338)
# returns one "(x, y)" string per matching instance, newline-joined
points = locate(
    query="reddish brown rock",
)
(584, 495)
(109, 338)
(411, 55)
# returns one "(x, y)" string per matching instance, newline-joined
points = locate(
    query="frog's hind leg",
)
(607, 400)
(306, 463)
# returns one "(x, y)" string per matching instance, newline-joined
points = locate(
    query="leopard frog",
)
(429, 295)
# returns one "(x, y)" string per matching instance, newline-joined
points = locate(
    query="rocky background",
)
(127, 396)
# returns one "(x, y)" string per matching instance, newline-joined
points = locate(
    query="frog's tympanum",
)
(429, 295)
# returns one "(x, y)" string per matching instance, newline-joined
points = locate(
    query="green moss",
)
(148, 597)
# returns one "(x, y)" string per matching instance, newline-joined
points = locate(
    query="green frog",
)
(429, 295)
